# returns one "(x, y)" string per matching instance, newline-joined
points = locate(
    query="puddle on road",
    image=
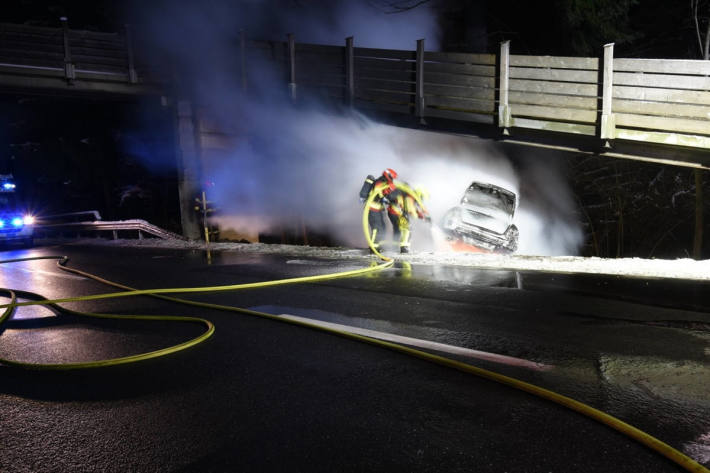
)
(405, 270)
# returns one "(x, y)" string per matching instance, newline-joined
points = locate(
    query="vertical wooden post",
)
(69, 73)
(243, 58)
(349, 71)
(292, 66)
(420, 82)
(607, 127)
(188, 167)
(132, 75)
(699, 207)
(504, 116)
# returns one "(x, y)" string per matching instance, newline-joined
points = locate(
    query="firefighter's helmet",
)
(390, 175)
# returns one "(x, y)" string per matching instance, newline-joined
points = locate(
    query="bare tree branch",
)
(398, 6)
(703, 45)
(694, 8)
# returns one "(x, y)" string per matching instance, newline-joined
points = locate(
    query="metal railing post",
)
(607, 128)
(292, 66)
(505, 120)
(419, 98)
(69, 72)
(349, 71)
(132, 75)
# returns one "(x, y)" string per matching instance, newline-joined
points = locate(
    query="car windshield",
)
(490, 198)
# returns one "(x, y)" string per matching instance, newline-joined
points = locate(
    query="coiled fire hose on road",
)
(657, 445)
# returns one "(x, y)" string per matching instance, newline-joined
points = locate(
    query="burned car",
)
(484, 219)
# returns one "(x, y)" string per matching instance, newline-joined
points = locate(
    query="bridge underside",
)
(573, 143)
(52, 81)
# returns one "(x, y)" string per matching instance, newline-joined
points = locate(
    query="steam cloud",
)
(306, 164)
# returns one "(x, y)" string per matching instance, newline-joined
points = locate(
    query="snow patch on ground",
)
(627, 267)
(700, 449)
(659, 378)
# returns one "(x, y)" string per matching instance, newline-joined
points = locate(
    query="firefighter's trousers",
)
(376, 220)
(400, 224)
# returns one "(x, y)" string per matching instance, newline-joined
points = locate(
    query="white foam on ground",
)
(628, 267)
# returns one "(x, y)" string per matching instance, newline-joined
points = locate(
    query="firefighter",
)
(403, 206)
(382, 186)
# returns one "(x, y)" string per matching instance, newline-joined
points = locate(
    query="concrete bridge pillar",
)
(188, 165)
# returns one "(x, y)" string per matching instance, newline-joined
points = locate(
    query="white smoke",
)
(295, 166)
(318, 161)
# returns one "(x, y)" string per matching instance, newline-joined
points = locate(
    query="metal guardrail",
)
(49, 218)
(141, 226)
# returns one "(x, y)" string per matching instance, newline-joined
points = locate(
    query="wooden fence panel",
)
(380, 64)
(385, 53)
(395, 86)
(701, 127)
(463, 92)
(326, 80)
(555, 126)
(321, 49)
(555, 113)
(565, 101)
(100, 60)
(458, 103)
(383, 106)
(665, 81)
(662, 101)
(461, 58)
(547, 87)
(307, 69)
(384, 95)
(402, 76)
(31, 57)
(324, 91)
(464, 69)
(14, 44)
(462, 116)
(663, 66)
(556, 75)
(555, 62)
(459, 80)
(662, 95)
(661, 109)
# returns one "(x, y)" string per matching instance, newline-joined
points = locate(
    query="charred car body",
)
(484, 219)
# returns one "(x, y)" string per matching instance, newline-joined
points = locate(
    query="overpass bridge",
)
(654, 110)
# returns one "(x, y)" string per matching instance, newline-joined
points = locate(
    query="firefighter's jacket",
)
(382, 189)
(404, 204)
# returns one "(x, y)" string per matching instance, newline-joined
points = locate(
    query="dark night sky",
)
(640, 28)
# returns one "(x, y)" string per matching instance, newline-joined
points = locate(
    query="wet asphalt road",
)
(265, 396)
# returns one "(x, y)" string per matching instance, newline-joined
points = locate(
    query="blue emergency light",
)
(8, 186)
(17, 222)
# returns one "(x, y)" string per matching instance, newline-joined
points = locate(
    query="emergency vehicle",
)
(16, 225)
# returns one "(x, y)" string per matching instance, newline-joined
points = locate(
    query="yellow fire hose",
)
(664, 449)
